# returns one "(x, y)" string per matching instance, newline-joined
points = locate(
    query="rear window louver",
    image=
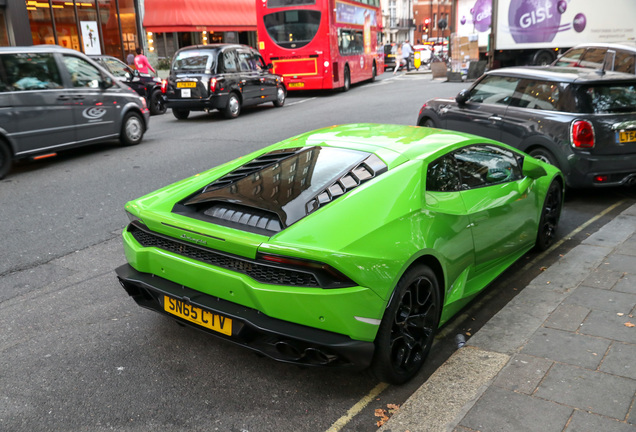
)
(368, 169)
(242, 215)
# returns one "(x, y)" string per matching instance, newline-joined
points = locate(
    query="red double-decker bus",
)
(321, 44)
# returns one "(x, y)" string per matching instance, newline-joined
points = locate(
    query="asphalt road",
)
(77, 354)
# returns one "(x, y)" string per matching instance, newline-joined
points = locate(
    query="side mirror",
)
(462, 97)
(532, 168)
(105, 83)
(270, 66)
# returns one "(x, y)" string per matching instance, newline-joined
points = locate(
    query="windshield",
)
(610, 98)
(194, 60)
(292, 28)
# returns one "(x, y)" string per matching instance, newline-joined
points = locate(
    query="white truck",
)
(533, 32)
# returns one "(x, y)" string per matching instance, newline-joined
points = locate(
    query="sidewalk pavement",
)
(561, 356)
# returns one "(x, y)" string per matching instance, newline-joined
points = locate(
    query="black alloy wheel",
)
(550, 215)
(132, 129)
(5, 159)
(408, 328)
(180, 114)
(156, 103)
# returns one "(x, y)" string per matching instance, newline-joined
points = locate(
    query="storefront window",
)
(4, 36)
(40, 21)
(128, 26)
(65, 25)
(110, 28)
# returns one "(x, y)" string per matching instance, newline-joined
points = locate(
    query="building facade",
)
(432, 19)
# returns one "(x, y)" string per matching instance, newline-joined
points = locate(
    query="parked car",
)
(147, 86)
(342, 247)
(620, 57)
(580, 120)
(53, 98)
(226, 77)
(389, 56)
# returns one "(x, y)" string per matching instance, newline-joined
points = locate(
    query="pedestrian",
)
(407, 52)
(141, 63)
(130, 59)
(397, 51)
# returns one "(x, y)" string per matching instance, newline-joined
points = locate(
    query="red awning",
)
(162, 16)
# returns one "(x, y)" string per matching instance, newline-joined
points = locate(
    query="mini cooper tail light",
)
(213, 82)
(601, 178)
(164, 86)
(582, 134)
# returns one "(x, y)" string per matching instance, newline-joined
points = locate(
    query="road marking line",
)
(452, 326)
(301, 101)
(354, 410)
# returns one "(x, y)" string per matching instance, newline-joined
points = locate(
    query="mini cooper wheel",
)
(233, 107)
(280, 96)
(408, 328)
(5, 159)
(156, 103)
(427, 122)
(544, 156)
(550, 215)
(132, 129)
(180, 114)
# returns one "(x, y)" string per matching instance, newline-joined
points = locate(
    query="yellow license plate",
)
(627, 136)
(198, 316)
(300, 84)
(188, 84)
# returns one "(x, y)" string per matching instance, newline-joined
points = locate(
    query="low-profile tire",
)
(544, 156)
(132, 129)
(408, 327)
(233, 107)
(156, 103)
(428, 122)
(550, 215)
(6, 159)
(347, 79)
(281, 94)
(180, 114)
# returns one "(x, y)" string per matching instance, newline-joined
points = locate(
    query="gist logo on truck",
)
(535, 21)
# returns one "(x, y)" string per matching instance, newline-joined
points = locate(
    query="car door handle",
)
(63, 98)
(494, 118)
(78, 97)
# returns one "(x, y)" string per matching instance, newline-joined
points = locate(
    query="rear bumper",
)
(617, 170)
(280, 340)
(213, 102)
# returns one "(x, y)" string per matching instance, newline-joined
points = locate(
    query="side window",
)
(230, 61)
(542, 95)
(624, 62)
(593, 58)
(496, 90)
(442, 175)
(571, 58)
(486, 165)
(246, 61)
(30, 72)
(83, 74)
(116, 68)
(350, 42)
(260, 63)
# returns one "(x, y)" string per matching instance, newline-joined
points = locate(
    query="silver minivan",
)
(53, 98)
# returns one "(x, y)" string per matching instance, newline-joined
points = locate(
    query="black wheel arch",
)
(135, 109)
(555, 149)
(431, 262)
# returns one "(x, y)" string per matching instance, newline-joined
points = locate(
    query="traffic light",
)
(427, 21)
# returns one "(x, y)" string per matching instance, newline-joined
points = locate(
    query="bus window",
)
(281, 3)
(292, 29)
(350, 42)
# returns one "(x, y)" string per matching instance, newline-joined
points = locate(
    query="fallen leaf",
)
(544, 268)
(393, 406)
(380, 412)
(468, 334)
(628, 324)
(620, 314)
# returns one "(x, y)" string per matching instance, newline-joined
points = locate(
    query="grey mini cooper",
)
(581, 120)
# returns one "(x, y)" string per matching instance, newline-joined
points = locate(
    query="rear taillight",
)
(327, 276)
(164, 86)
(212, 85)
(582, 134)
